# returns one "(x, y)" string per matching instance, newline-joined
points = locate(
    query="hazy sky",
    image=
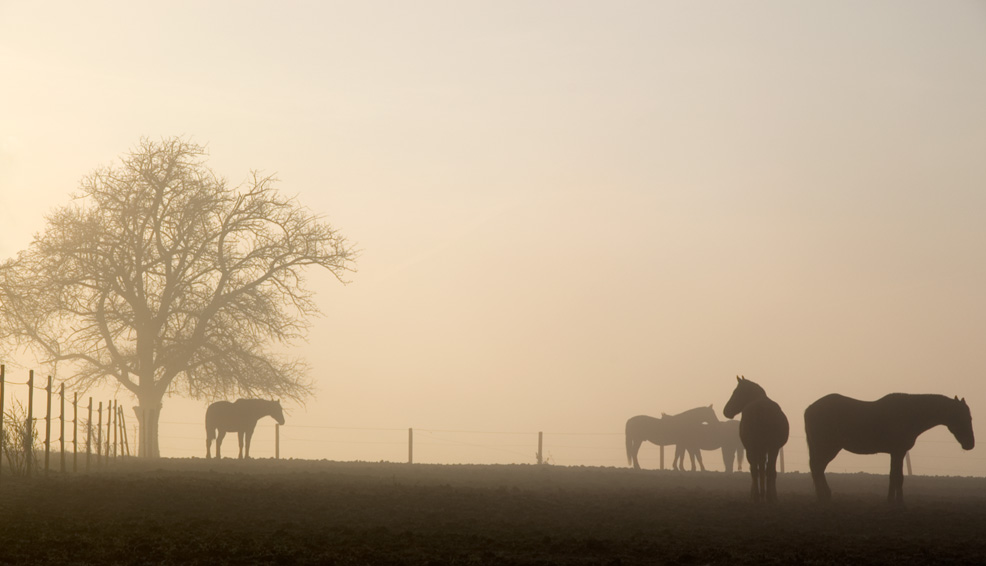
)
(570, 212)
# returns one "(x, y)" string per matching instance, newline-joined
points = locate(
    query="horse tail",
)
(630, 444)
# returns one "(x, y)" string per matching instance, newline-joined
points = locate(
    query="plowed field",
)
(304, 512)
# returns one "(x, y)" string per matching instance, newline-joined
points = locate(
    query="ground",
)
(305, 512)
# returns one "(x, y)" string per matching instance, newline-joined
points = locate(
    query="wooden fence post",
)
(99, 437)
(75, 431)
(89, 437)
(48, 426)
(410, 446)
(116, 428)
(782, 459)
(109, 429)
(277, 441)
(61, 437)
(2, 383)
(124, 441)
(662, 456)
(540, 447)
(29, 432)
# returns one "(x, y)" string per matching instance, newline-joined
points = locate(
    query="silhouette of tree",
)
(160, 276)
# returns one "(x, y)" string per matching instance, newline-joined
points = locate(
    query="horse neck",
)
(931, 411)
(753, 395)
(698, 414)
(258, 409)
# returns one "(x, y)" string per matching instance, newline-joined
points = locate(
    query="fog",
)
(569, 214)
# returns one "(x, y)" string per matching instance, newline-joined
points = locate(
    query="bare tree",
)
(161, 277)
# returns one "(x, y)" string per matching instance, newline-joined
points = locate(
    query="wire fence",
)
(25, 450)
(936, 452)
(78, 437)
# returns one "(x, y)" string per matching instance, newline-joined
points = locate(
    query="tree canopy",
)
(162, 277)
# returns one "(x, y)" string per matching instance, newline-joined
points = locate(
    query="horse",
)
(763, 430)
(240, 417)
(888, 425)
(663, 431)
(720, 435)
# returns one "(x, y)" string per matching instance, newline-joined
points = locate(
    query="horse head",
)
(746, 391)
(960, 424)
(277, 412)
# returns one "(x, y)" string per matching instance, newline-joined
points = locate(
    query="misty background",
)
(569, 213)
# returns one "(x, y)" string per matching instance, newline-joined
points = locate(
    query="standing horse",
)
(240, 417)
(763, 430)
(664, 431)
(721, 435)
(888, 425)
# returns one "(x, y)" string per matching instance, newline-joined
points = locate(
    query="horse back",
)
(226, 416)
(651, 429)
(862, 427)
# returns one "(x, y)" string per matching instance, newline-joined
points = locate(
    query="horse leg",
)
(239, 436)
(896, 494)
(691, 457)
(633, 447)
(208, 444)
(755, 472)
(771, 473)
(818, 460)
(219, 443)
(727, 459)
(762, 477)
(679, 454)
(698, 454)
(249, 435)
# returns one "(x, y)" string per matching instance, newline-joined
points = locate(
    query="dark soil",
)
(304, 512)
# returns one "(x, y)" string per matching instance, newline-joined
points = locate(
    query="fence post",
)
(89, 437)
(48, 426)
(61, 439)
(540, 446)
(116, 428)
(124, 441)
(410, 446)
(2, 383)
(75, 431)
(99, 437)
(29, 431)
(109, 429)
(277, 441)
(662, 456)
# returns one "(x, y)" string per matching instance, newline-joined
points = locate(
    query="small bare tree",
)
(161, 277)
(20, 440)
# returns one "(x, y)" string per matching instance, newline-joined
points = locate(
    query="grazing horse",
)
(888, 425)
(663, 431)
(763, 430)
(240, 417)
(721, 435)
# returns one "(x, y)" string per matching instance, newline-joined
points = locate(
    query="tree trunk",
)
(148, 413)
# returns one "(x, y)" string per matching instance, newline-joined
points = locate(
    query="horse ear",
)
(737, 379)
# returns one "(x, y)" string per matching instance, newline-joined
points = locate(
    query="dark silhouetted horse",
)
(889, 425)
(721, 435)
(240, 417)
(664, 431)
(763, 431)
